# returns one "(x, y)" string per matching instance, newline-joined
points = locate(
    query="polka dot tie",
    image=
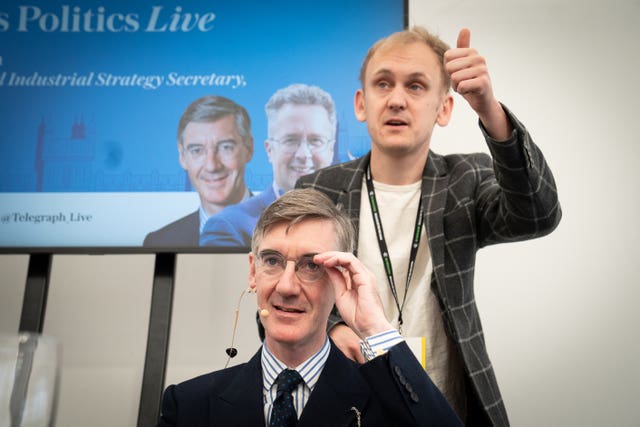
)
(283, 413)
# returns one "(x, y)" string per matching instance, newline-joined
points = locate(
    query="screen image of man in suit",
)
(300, 265)
(301, 129)
(214, 145)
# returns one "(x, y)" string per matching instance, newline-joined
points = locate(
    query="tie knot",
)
(288, 380)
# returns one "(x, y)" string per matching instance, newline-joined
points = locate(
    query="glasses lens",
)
(309, 271)
(291, 144)
(317, 143)
(272, 263)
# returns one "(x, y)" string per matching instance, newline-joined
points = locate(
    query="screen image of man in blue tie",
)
(300, 265)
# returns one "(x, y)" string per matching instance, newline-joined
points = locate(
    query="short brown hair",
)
(416, 34)
(212, 108)
(298, 205)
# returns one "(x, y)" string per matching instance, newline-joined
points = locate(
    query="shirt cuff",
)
(378, 344)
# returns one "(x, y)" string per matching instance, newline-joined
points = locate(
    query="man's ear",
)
(252, 272)
(181, 158)
(267, 149)
(358, 105)
(249, 150)
(445, 110)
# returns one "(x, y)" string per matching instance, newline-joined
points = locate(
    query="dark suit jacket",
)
(233, 226)
(470, 201)
(184, 232)
(391, 390)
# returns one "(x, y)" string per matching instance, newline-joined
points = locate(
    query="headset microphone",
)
(232, 351)
(264, 312)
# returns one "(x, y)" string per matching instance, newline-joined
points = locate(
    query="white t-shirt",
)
(398, 207)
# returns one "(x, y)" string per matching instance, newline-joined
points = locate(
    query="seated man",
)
(300, 266)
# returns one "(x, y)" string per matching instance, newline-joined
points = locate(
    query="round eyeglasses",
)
(290, 144)
(272, 264)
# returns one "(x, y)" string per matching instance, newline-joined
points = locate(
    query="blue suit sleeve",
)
(168, 414)
(221, 232)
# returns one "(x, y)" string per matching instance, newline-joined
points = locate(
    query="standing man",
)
(421, 216)
(301, 137)
(214, 146)
(299, 267)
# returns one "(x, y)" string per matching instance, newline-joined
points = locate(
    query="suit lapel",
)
(241, 402)
(435, 180)
(267, 197)
(338, 389)
(187, 232)
(350, 184)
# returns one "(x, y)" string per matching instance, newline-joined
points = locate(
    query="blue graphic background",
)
(96, 139)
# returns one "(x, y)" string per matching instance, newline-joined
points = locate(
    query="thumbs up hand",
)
(470, 78)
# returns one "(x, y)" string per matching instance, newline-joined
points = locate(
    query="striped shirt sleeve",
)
(378, 344)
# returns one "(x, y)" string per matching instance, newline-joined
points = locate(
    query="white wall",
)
(559, 313)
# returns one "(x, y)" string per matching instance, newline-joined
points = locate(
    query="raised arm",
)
(356, 294)
(470, 78)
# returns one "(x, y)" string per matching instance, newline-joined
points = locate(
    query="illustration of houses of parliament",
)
(74, 161)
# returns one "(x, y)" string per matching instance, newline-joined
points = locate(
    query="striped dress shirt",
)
(309, 370)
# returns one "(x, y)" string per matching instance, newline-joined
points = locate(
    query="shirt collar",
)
(204, 216)
(309, 370)
(277, 190)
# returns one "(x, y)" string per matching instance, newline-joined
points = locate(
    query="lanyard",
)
(382, 243)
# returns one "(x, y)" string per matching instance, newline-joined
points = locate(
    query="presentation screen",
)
(127, 126)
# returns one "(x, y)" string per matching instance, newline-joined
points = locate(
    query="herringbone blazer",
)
(470, 200)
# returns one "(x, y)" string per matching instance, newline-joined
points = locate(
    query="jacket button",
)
(401, 379)
(408, 387)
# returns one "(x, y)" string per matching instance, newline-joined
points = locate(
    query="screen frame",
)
(113, 250)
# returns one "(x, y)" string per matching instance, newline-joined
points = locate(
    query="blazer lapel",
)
(240, 403)
(339, 389)
(350, 184)
(435, 180)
